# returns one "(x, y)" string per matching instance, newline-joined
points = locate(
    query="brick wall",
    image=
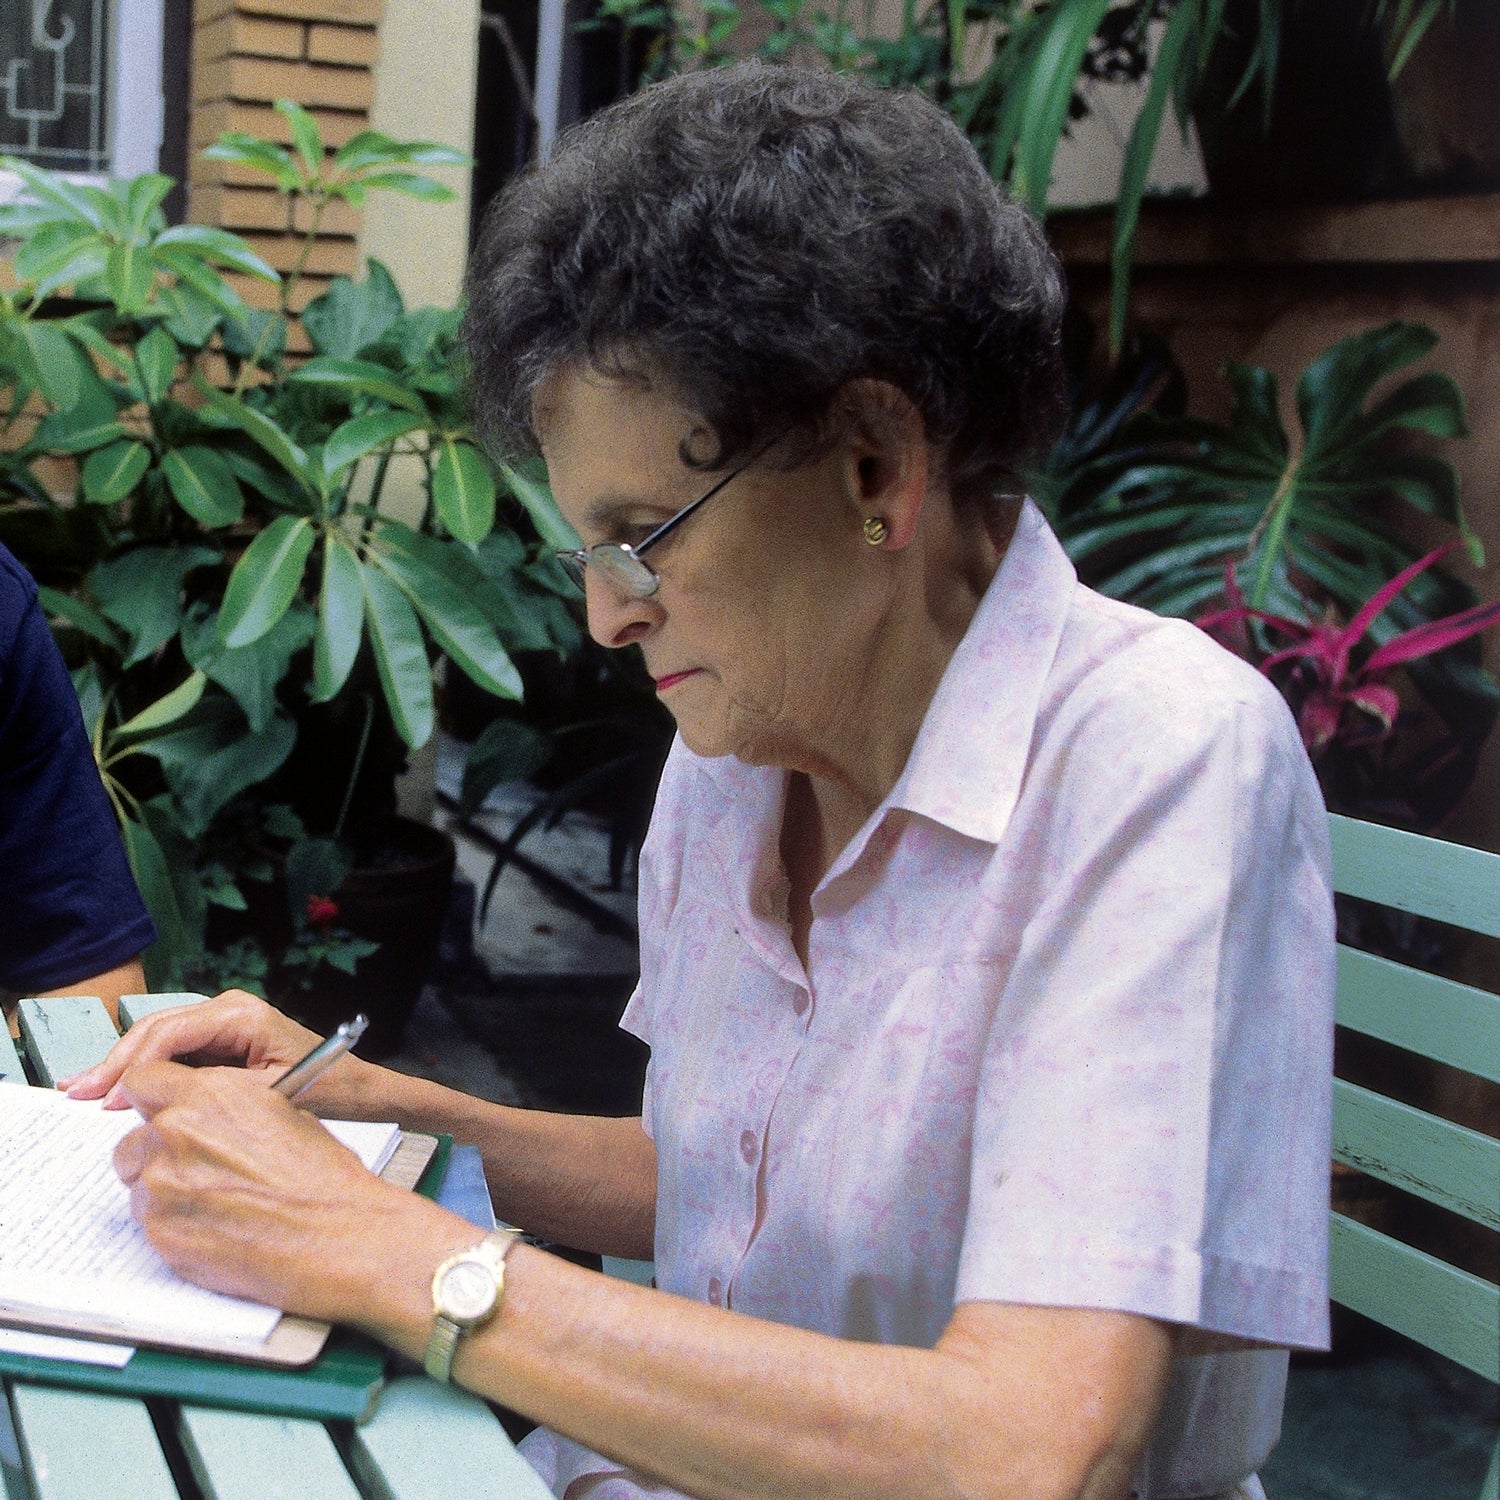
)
(245, 55)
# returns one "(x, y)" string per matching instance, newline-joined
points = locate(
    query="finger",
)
(150, 1087)
(230, 1027)
(133, 1151)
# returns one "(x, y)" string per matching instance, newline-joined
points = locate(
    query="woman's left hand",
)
(242, 1192)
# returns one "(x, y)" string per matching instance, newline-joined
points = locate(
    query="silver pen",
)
(322, 1057)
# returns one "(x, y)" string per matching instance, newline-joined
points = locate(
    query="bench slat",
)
(1429, 877)
(79, 1444)
(430, 1442)
(65, 1034)
(1438, 1018)
(238, 1455)
(135, 1008)
(10, 1062)
(1445, 1163)
(1446, 1309)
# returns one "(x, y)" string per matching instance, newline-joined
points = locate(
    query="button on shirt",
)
(1064, 1033)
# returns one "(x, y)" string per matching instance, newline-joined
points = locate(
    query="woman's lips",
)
(673, 678)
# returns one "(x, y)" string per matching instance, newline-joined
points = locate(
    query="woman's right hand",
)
(235, 1027)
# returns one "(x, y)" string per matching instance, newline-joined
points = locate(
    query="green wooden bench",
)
(1437, 1304)
(423, 1442)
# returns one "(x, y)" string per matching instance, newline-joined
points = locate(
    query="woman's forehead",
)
(608, 441)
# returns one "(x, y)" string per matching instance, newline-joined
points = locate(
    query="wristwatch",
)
(466, 1293)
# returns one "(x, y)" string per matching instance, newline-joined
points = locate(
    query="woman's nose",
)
(616, 618)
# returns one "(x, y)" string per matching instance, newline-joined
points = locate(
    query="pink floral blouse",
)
(1063, 1037)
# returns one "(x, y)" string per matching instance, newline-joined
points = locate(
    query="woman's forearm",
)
(1053, 1404)
(580, 1180)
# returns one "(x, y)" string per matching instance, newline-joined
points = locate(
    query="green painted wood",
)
(1438, 1018)
(10, 1061)
(641, 1272)
(134, 1008)
(1436, 1304)
(1445, 1163)
(432, 1442)
(1431, 877)
(79, 1445)
(237, 1455)
(64, 1034)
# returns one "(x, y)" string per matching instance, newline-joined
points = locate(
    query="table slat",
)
(135, 1008)
(237, 1455)
(430, 1442)
(65, 1034)
(77, 1445)
(10, 1062)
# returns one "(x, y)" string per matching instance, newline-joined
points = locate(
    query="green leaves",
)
(463, 491)
(111, 473)
(400, 657)
(1183, 497)
(341, 611)
(265, 580)
(204, 485)
(352, 315)
(360, 436)
(359, 377)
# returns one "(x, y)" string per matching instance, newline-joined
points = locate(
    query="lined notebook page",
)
(68, 1244)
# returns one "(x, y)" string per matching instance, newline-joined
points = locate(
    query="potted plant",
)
(254, 636)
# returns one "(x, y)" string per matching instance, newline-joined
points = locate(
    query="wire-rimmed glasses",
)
(622, 564)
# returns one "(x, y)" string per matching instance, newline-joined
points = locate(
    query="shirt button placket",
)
(716, 1291)
(749, 1147)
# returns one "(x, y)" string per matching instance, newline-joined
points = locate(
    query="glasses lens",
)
(624, 569)
(572, 565)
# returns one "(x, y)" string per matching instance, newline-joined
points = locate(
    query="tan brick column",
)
(247, 53)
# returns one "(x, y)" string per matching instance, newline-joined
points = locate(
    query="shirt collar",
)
(966, 768)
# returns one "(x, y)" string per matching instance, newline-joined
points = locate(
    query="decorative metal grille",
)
(54, 106)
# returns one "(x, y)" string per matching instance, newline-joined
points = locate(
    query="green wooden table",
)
(424, 1441)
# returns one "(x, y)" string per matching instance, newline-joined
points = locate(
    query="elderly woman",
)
(985, 931)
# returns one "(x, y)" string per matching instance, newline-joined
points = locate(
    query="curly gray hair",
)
(753, 239)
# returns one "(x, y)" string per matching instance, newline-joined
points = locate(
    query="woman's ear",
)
(887, 460)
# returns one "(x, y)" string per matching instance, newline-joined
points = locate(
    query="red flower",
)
(321, 912)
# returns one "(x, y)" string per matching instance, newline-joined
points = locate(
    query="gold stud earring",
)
(875, 529)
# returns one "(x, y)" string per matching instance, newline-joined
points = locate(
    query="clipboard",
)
(294, 1344)
(342, 1384)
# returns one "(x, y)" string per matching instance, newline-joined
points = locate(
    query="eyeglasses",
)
(622, 564)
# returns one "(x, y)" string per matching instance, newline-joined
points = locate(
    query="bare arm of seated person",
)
(242, 1192)
(126, 979)
(574, 1179)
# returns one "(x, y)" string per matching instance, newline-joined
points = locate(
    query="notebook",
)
(73, 1260)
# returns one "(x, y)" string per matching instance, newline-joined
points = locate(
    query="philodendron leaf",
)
(204, 485)
(305, 134)
(128, 273)
(175, 929)
(210, 756)
(141, 591)
(359, 377)
(249, 674)
(265, 580)
(168, 708)
(111, 473)
(463, 491)
(400, 656)
(262, 430)
(341, 622)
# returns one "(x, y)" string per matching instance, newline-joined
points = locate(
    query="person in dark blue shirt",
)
(71, 918)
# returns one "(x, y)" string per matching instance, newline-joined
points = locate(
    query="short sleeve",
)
(1152, 1128)
(71, 906)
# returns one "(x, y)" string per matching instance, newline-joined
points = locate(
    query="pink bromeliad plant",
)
(1338, 700)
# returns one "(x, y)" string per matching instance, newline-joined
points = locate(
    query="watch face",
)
(468, 1291)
